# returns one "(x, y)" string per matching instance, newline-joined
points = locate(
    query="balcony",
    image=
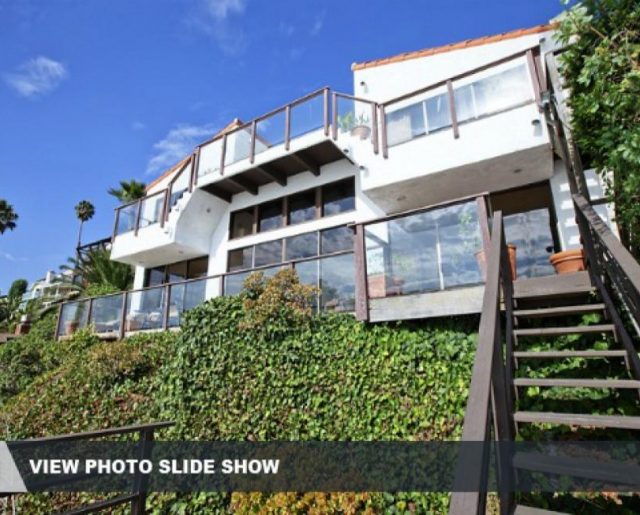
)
(423, 263)
(481, 131)
(169, 225)
(302, 136)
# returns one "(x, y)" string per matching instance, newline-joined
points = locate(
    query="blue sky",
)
(92, 92)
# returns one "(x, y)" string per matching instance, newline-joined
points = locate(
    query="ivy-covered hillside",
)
(259, 366)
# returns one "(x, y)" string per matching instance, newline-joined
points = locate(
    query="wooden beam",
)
(274, 175)
(243, 183)
(309, 164)
(217, 192)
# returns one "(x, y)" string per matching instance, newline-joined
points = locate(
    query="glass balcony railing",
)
(427, 251)
(314, 112)
(492, 89)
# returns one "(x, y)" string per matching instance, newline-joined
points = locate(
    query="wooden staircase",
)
(549, 343)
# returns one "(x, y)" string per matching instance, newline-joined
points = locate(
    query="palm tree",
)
(8, 216)
(129, 191)
(95, 267)
(84, 211)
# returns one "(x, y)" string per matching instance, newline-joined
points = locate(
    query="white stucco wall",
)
(383, 82)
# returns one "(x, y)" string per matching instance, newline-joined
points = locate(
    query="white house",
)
(381, 197)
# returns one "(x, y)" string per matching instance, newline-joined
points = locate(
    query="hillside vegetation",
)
(259, 366)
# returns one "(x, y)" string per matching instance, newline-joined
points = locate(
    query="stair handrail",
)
(613, 270)
(489, 405)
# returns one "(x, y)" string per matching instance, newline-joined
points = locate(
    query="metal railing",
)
(490, 403)
(614, 271)
(138, 496)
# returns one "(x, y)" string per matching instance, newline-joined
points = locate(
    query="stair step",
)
(558, 311)
(561, 354)
(610, 472)
(577, 383)
(577, 419)
(557, 331)
(528, 510)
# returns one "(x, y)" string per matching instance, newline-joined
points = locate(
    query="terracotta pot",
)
(71, 327)
(568, 261)
(362, 131)
(482, 262)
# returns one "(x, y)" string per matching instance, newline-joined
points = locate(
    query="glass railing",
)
(355, 117)
(494, 88)
(145, 309)
(151, 208)
(281, 126)
(106, 314)
(73, 316)
(186, 296)
(126, 217)
(427, 251)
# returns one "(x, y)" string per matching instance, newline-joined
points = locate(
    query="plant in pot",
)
(470, 235)
(355, 125)
(568, 261)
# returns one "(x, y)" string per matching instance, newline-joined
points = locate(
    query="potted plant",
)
(470, 235)
(355, 125)
(568, 261)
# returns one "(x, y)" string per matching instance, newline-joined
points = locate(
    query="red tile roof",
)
(468, 43)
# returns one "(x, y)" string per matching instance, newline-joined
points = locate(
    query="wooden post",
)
(325, 110)
(287, 126)
(362, 294)
(374, 127)
(483, 218)
(383, 129)
(123, 316)
(89, 311)
(452, 110)
(138, 504)
(59, 321)
(252, 152)
(138, 217)
(165, 205)
(534, 78)
(165, 308)
(334, 110)
(223, 153)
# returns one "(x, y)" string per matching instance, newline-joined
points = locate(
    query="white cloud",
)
(220, 9)
(215, 18)
(36, 76)
(138, 126)
(11, 257)
(178, 143)
(318, 23)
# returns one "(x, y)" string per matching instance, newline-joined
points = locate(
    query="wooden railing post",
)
(89, 311)
(165, 205)
(334, 114)
(137, 226)
(534, 79)
(374, 127)
(195, 164)
(59, 321)
(452, 110)
(223, 153)
(383, 132)
(362, 294)
(115, 225)
(287, 127)
(138, 503)
(123, 316)
(325, 110)
(252, 152)
(166, 306)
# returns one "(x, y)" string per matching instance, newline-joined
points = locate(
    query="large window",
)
(322, 258)
(326, 200)
(481, 97)
(176, 272)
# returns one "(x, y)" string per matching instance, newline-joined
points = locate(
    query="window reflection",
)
(337, 283)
